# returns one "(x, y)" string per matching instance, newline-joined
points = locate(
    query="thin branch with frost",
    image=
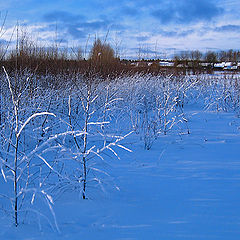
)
(51, 139)
(32, 117)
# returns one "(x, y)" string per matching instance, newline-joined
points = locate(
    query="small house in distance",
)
(227, 66)
(166, 64)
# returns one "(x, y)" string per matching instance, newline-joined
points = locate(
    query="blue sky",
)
(158, 28)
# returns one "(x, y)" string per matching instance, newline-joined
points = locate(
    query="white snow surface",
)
(184, 187)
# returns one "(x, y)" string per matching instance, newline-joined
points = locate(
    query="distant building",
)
(166, 64)
(227, 66)
(219, 65)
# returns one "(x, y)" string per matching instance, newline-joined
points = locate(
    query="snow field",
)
(185, 186)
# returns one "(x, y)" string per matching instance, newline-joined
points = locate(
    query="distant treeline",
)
(198, 61)
(102, 60)
(210, 56)
(27, 55)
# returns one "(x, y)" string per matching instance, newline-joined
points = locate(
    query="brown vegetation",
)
(102, 60)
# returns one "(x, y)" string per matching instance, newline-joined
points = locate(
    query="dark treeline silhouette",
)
(102, 60)
(198, 61)
(210, 56)
(55, 60)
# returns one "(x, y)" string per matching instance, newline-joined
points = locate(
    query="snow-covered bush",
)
(52, 141)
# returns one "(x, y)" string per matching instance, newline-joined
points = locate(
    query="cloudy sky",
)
(150, 28)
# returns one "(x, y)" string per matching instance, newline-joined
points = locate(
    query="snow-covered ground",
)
(185, 187)
(182, 188)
